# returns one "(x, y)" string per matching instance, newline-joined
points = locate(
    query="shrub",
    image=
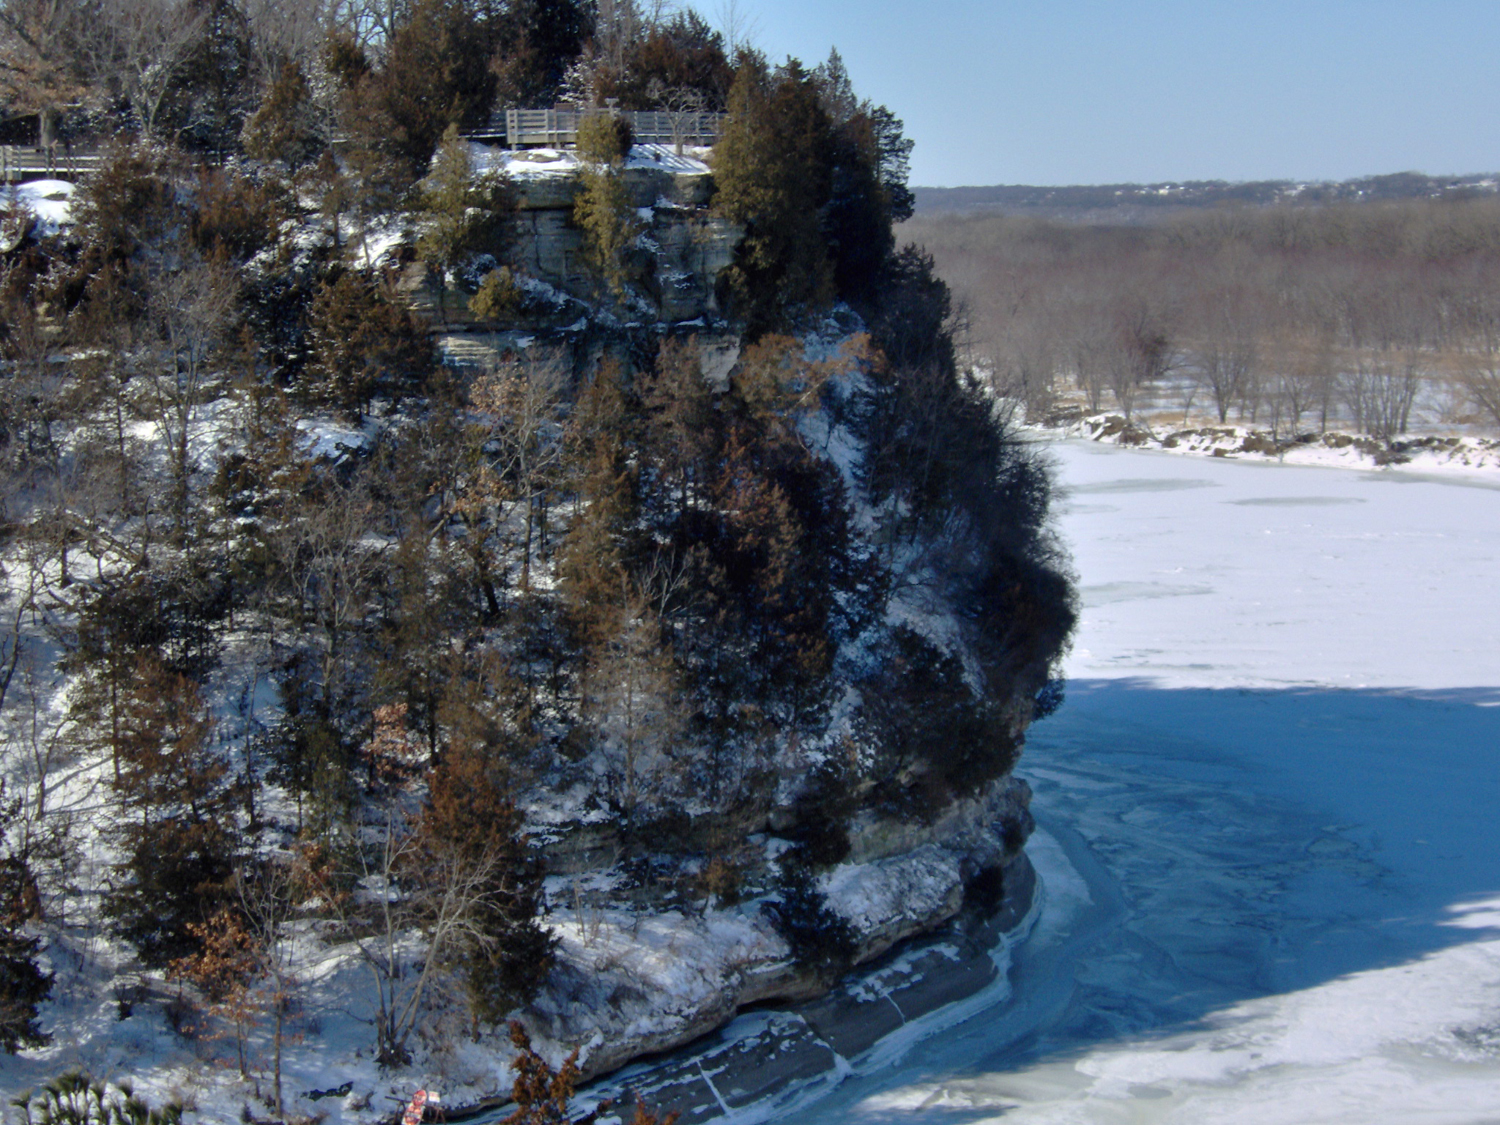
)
(821, 939)
(23, 985)
(1048, 699)
(498, 298)
(820, 833)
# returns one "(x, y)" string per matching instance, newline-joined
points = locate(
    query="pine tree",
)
(24, 987)
(466, 213)
(602, 207)
(178, 831)
(772, 175)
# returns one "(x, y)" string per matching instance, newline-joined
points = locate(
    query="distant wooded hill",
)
(1138, 202)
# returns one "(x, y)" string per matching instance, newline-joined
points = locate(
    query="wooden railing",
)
(556, 128)
(515, 128)
(18, 163)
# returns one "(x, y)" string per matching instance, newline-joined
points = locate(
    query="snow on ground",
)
(1462, 455)
(532, 162)
(332, 440)
(51, 201)
(1272, 888)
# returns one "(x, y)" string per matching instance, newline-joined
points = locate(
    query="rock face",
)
(630, 984)
(678, 257)
(769, 1055)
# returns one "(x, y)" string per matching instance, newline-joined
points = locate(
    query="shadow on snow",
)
(1233, 844)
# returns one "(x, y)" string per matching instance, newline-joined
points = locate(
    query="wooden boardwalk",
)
(514, 128)
(557, 128)
(20, 164)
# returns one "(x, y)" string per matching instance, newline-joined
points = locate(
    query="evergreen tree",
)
(178, 833)
(934, 739)
(772, 174)
(237, 217)
(893, 148)
(857, 222)
(466, 213)
(213, 91)
(24, 987)
(602, 207)
(363, 341)
(677, 57)
(435, 74)
(820, 937)
(817, 177)
(536, 41)
(284, 128)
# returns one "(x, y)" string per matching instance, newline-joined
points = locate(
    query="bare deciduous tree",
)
(424, 894)
(631, 698)
(41, 67)
(190, 310)
(1225, 347)
(138, 48)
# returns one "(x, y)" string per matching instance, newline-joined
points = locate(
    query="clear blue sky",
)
(1070, 92)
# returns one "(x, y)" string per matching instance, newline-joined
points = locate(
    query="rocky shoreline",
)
(777, 1053)
(1450, 453)
(628, 984)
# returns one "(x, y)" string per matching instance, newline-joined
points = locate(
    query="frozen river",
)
(1270, 815)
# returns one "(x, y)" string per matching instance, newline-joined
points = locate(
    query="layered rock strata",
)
(631, 984)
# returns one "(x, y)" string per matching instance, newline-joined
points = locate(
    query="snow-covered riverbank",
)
(1462, 455)
(1271, 876)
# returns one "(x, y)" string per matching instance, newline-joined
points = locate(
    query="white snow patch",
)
(332, 440)
(51, 201)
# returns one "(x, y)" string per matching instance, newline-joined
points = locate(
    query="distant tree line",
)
(1129, 203)
(1289, 317)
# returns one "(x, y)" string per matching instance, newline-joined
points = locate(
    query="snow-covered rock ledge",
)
(766, 1062)
(1430, 453)
(628, 984)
